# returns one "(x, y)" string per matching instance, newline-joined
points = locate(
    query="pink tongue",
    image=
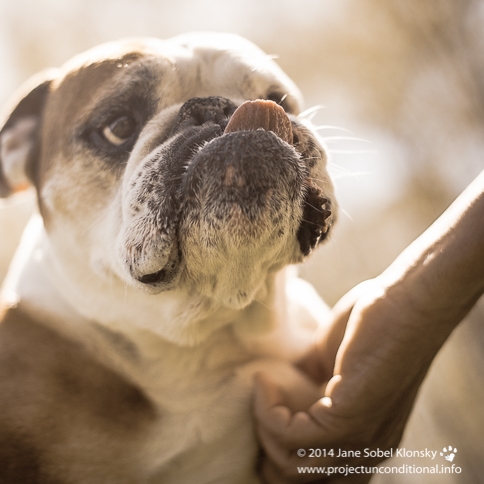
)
(254, 115)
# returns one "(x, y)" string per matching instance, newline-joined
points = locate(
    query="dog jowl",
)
(175, 181)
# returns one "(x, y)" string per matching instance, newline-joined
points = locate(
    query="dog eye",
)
(119, 130)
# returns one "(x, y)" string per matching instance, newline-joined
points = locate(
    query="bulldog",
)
(175, 185)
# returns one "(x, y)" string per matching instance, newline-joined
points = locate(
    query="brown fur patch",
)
(62, 405)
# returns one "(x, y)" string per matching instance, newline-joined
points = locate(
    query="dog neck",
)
(70, 303)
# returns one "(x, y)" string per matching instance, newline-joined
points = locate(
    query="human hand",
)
(373, 381)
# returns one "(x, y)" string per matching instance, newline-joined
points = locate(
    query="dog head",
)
(154, 173)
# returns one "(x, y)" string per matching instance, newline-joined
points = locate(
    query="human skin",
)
(383, 336)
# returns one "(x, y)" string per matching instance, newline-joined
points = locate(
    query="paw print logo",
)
(448, 453)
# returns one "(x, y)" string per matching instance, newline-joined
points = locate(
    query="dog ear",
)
(19, 133)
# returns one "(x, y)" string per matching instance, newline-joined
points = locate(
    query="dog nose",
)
(202, 110)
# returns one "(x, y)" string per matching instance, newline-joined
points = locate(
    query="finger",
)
(269, 407)
(281, 427)
(277, 420)
(270, 393)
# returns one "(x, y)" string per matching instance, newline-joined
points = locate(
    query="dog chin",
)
(240, 206)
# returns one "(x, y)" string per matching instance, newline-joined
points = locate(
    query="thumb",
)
(327, 411)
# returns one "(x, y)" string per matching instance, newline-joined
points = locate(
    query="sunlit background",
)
(400, 90)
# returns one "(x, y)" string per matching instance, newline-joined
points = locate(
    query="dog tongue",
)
(261, 114)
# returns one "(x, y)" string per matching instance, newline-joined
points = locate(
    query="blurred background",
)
(400, 90)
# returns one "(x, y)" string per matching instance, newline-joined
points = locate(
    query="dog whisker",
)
(335, 168)
(316, 179)
(276, 255)
(345, 138)
(338, 172)
(346, 213)
(328, 126)
(311, 223)
(311, 112)
(94, 223)
(316, 208)
(272, 310)
(353, 152)
(346, 175)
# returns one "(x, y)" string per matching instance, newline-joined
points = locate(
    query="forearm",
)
(442, 272)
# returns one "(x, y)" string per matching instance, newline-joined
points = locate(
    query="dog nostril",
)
(153, 278)
(198, 111)
(229, 110)
(199, 119)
